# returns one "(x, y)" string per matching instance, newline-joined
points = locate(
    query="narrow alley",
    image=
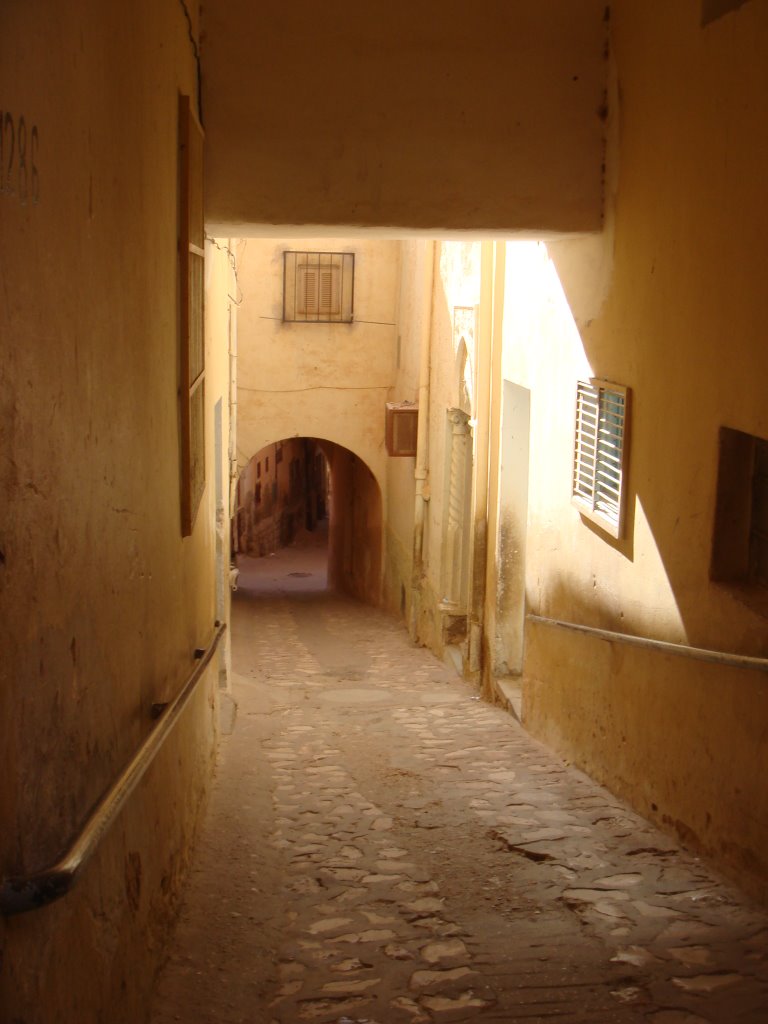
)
(382, 846)
(474, 297)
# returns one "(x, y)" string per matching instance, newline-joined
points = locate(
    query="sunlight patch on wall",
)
(654, 610)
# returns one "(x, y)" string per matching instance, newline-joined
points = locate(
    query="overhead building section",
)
(485, 117)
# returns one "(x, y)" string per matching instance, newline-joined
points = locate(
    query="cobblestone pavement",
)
(382, 846)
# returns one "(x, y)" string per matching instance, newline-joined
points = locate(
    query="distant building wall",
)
(327, 381)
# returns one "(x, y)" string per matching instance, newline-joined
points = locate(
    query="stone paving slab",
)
(384, 847)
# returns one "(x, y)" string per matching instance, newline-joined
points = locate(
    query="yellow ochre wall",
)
(399, 114)
(102, 602)
(328, 381)
(414, 309)
(456, 283)
(324, 380)
(672, 302)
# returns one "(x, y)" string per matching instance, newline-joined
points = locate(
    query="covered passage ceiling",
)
(485, 117)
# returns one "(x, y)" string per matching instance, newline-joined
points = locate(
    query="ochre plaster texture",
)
(101, 601)
(414, 305)
(487, 120)
(323, 380)
(452, 366)
(671, 302)
(405, 115)
(327, 381)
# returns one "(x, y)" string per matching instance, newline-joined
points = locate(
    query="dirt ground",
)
(382, 846)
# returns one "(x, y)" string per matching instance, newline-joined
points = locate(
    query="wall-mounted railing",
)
(26, 892)
(682, 650)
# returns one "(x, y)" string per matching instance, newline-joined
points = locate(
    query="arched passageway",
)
(317, 507)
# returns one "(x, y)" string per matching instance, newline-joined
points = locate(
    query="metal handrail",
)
(27, 892)
(699, 653)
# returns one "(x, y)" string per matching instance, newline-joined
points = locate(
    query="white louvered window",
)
(318, 287)
(600, 453)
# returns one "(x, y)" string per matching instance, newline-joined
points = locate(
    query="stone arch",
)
(253, 434)
(355, 516)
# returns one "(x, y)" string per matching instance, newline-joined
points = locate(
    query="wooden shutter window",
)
(308, 294)
(319, 291)
(401, 428)
(191, 314)
(329, 291)
(599, 464)
(318, 287)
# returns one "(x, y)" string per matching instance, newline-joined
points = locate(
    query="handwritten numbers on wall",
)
(19, 175)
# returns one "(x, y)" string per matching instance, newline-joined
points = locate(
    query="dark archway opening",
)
(281, 494)
(308, 518)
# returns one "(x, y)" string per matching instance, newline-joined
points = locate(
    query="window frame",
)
(737, 534)
(191, 258)
(298, 265)
(598, 490)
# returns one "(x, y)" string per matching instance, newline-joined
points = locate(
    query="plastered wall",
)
(324, 380)
(414, 307)
(670, 302)
(328, 381)
(406, 115)
(456, 285)
(101, 601)
(439, 278)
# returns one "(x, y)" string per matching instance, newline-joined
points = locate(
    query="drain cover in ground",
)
(302, 574)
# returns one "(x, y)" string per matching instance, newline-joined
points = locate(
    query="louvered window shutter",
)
(327, 305)
(600, 453)
(309, 279)
(318, 287)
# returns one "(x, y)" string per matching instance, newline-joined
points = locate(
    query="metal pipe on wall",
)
(28, 892)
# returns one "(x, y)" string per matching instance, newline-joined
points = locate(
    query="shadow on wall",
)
(355, 525)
